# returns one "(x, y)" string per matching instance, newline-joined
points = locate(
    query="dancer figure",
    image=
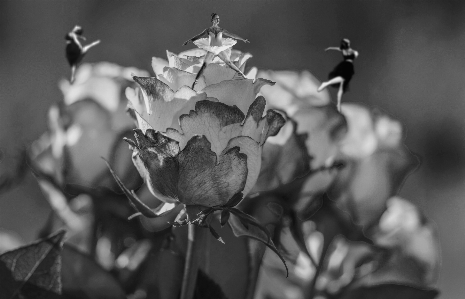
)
(343, 72)
(74, 50)
(211, 40)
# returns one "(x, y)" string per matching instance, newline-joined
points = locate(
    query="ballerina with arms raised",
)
(211, 40)
(343, 72)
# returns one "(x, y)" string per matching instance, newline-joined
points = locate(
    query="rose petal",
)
(284, 160)
(258, 127)
(240, 93)
(253, 151)
(155, 159)
(214, 120)
(215, 73)
(176, 79)
(376, 164)
(325, 127)
(292, 90)
(181, 63)
(240, 59)
(163, 105)
(207, 180)
(158, 64)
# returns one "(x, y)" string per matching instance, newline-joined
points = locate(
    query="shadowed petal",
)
(260, 128)
(216, 121)
(376, 162)
(253, 126)
(253, 151)
(155, 159)
(207, 181)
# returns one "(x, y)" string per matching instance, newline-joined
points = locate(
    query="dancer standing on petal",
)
(74, 50)
(343, 72)
(211, 40)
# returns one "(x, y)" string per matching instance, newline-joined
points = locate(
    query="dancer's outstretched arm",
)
(333, 48)
(227, 33)
(204, 33)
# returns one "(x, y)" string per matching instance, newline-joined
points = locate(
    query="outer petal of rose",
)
(252, 74)
(154, 156)
(375, 168)
(89, 138)
(259, 128)
(325, 128)
(240, 58)
(207, 181)
(254, 123)
(361, 140)
(253, 151)
(215, 73)
(136, 102)
(403, 226)
(216, 121)
(176, 79)
(181, 63)
(42, 155)
(284, 158)
(100, 82)
(413, 245)
(158, 64)
(163, 105)
(292, 90)
(103, 90)
(241, 93)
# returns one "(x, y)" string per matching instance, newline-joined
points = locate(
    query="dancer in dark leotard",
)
(74, 50)
(343, 72)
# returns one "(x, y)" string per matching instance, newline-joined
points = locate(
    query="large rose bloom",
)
(200, 147)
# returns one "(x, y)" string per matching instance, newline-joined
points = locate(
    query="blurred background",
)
(411, 66)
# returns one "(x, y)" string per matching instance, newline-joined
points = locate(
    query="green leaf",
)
(33, 271)
(224, 217)
(83, 278)
(246, 218)
(389, 291)
(254, 231)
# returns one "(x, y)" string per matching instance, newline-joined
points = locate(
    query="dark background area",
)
(411, 66)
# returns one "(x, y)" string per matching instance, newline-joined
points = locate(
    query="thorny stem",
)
(195, 246)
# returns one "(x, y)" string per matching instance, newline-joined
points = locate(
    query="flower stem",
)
(195, 246)
(319, 267)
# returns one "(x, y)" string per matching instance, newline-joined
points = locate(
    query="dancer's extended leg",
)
(226, 60)
(339, 95)
(86, 48)
(73, 72)
(208, 58)
(335, 80)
